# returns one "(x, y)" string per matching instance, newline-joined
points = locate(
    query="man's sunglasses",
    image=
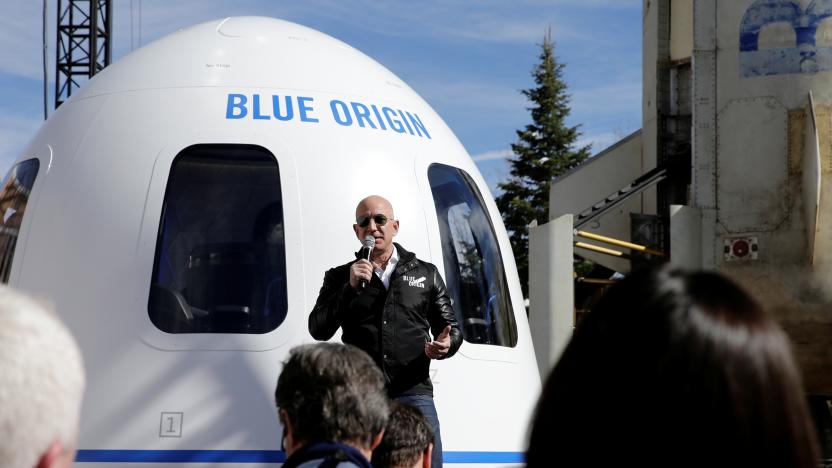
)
(364, 221)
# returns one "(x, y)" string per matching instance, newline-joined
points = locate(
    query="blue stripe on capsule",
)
(254, 456)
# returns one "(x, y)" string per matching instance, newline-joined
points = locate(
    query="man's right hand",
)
(359, 270)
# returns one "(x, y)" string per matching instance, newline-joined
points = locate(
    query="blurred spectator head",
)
(675, 368)
(41, 385)
(407, 441)
(331, 392)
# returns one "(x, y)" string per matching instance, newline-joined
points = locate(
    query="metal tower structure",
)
(83, 43)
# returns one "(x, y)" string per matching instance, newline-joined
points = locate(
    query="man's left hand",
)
(439, 347)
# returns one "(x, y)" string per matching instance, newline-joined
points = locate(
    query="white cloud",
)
(484, 21)
(599, 141)
(611, 97)
(473, 95)
(20, 38)
(606, 4)
(152, 20)
(492, 155)
(495, 28)
(21, 28)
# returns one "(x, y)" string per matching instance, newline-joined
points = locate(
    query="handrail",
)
(643, 182)
(603, 250)
(595, 280)
(619, 243)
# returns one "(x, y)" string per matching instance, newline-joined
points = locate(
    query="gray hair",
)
(333, 392)
(41, 381)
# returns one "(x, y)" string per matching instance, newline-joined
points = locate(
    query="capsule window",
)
(14, 196)
(474, 272)
(220, 264)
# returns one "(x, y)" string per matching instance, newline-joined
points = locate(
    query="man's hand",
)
(439, 347)
(359, 270)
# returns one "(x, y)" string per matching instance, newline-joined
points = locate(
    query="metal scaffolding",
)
(83, 43)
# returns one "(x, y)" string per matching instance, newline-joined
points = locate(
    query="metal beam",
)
(84, 45)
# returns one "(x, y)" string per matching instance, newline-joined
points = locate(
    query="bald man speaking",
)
(393, 306)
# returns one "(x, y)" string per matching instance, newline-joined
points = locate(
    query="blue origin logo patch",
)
(415, 282)
(804, 57)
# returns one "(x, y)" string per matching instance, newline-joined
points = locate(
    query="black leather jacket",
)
(393, 325)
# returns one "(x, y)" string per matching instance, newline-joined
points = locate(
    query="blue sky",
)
(468, 59)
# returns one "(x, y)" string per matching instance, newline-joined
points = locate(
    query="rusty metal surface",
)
(800, 299)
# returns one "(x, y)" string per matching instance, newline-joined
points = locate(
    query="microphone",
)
(369, 242)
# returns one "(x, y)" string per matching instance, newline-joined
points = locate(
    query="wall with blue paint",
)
(801, 53)
(755, 64)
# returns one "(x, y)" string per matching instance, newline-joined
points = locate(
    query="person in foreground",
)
(389, 306)
(332, 405)
(41, 385)
(407, 441)
(674, 369)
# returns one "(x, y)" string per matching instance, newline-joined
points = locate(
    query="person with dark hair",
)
(674, 369)
(407, 441)
(332, 405)
(395, 307)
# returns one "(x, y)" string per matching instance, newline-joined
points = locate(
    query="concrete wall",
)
(685, 237)
(591, 182)
(681, 29)
(751, 95)
(654, 50)
(551, 294)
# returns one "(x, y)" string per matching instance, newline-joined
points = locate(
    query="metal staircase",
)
(643, 182)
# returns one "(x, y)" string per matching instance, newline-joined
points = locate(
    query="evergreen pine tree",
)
(544, 150)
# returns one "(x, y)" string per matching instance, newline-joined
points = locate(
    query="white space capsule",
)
(180, 212)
